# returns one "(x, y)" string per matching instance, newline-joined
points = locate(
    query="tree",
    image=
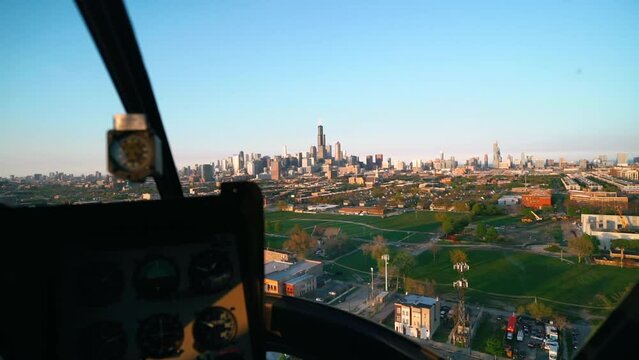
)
(434, 249)
(336, 242)
(457, 256)
(430, 287)
(414, 287)
(402, 261)
(448, 226)
(480, 231)
(299, 242)
(477, 209)
(376, 249)
(581, 246)
(561, 321)
(538, 310)
(282, 205)
(377, 192)
(491, 234)
(493, 346)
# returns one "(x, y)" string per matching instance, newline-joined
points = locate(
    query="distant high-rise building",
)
(275, 169)
(583, 164)
(379, 159)
(562, 162)
(285, 153)
(329, 153)
(206, 173)
(369, 162)
(242, 159)
(338, 151)
(622, 159)
(252, 167)
(321, 142)
(236, 163)
(441, 155)
(314, 153)
(522, 161)
(496, 155)
(485, 161)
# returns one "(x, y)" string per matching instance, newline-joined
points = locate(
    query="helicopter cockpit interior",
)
(176, 278)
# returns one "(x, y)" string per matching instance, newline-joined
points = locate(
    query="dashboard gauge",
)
(133, 152)
(160, 336)
(103, 340)
(156, 278)
(100, 284)
(214, 328)
(210, 271)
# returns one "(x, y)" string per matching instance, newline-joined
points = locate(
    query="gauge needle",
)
(208, 324)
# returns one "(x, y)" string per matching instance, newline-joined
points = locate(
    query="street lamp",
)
(385, 257)
(372, 281)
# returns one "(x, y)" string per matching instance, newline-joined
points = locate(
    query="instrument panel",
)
(178, 279)
(178, 301)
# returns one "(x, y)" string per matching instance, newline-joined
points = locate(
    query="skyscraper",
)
(485, 161)
(321, 142)
(241, 162)
(314, 152)
(523, 160)
(338, 151)
(275, 169)
(206, 173)
(622, 159)
(379, 159)
(496, 155)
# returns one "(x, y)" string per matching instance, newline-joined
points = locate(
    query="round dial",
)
(214, 327)
(209, 272)
(104, 340)
(133, 152)
(160, 336)
(157, 278)
(100, 284)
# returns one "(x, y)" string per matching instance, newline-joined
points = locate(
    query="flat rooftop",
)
(418, 301)
(275, 266)
(292, 270)
(299, 279)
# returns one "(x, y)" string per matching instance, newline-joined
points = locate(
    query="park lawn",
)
(358, 260)
(501, 220)
(411, 221)
(521, 273)
(488, 328)
(274, 242)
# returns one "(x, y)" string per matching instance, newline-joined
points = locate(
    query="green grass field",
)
(503, 272)
(487, 328)
(516, 273)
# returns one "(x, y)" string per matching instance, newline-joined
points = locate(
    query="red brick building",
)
(537, 199)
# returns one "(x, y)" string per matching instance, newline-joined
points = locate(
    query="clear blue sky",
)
(404, 78)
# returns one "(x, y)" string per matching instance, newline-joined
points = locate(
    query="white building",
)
(417, 316)
(509, 200)
(609, 227)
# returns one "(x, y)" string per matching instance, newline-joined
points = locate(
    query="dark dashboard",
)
(168, 279)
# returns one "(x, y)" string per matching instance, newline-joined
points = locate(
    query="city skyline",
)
(550, 79)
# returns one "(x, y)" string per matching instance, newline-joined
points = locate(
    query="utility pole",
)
(385, 257)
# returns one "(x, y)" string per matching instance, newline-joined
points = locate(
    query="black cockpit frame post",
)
(112, 32)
